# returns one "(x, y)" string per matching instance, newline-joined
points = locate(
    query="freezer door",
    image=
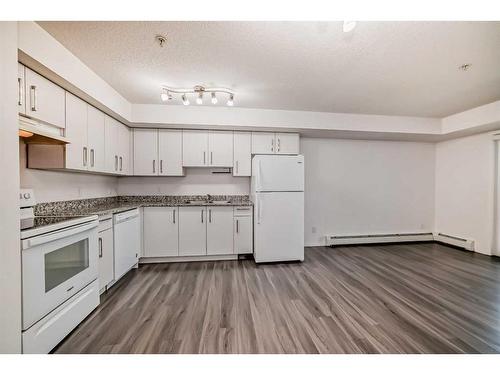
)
(279, 227)
(278, 173)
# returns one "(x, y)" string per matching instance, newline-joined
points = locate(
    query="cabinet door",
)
(77, 151)
(242, 160)
(106, 257)
(243, 241)
(194, 148)
(124, 148)
(111, 144)
(192, 231)
(220, 147)
(170, 152)
(145, 152)
(161, 232)
(21, 97)
(95, 135)
(287, 143)
(45, 99)
(262, 143)
(220, 231)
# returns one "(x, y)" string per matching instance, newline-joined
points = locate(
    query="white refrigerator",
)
(277, 190)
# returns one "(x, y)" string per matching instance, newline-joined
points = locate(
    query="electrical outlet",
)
(79, 192)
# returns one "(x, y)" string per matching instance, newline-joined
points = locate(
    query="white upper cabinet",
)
(195, 148)
(161, 231)
(123, 149)
(95, 139)
(45, 100)
(263, 143)
(170, 152)
(111, 144)
(145, 152)
(287, 143)
(77, 151)
(220, 148)
(21, 97)
(192, 231)
(219, 230)
(242, 154)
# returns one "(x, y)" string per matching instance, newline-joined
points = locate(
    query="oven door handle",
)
(54, 236)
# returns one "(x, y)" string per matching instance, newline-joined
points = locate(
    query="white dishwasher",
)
(127, 241)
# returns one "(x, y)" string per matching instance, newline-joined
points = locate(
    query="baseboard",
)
(338, 240)
(463, 243)
(201, 258)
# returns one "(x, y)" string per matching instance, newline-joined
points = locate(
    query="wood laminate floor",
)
(405, 298)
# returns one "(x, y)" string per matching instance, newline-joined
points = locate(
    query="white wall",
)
(465, 172)
(197, 181)
(366, 187)
(10, 264)
(50, 186)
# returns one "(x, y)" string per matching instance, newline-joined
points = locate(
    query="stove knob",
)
(27, 196)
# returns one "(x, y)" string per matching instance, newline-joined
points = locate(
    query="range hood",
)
(35, 132)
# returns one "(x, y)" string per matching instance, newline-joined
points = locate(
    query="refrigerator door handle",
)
(259, 210)
(259, 172)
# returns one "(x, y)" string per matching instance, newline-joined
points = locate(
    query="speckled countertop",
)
(104, 207)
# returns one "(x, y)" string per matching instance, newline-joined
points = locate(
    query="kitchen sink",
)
(205, 202)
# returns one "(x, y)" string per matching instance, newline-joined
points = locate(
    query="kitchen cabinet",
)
(262, 143)
(106, 253)
(21, 97)
(219, 230)
(243, 230)
(123, 149)
(220, 149)
(275, 143)
(45, 100)
(242, 154)
(145, 152)
(95, 139)
(161, 231)
(77, 152)
(192, 231)
(170, 152)
(194, 148)
(287, 143)
(111, 144)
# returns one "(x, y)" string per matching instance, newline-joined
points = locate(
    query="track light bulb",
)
(348, 26)
(199, 99)
(214, 98)
(230, 102)
(165, 96)
(185, 100)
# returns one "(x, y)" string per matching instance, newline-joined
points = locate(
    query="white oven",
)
(57, 265)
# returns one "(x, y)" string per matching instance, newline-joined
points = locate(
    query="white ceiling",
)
(389, 68)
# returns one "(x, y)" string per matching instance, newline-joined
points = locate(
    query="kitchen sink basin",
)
(205, 202)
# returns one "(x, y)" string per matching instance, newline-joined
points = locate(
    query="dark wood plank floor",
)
(409, 298)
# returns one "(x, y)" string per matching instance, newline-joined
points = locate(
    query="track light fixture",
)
(199, 91)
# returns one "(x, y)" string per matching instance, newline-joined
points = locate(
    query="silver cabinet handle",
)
(173, 215)
(100, 247)
(211, 158)
(121, 163)
(202, 215)
(154, 166)
(210, 215)
(33, 97)
(84, 156)
(20, 91)
(92, 157)
(204, 157)
(161, 166)
(272, 145)
(237, 166)
(116, 162)
(279, 144)
(237, 226)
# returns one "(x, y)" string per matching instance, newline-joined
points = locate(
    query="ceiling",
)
(387, 68)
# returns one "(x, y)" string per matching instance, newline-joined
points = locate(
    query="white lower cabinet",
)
(192, 231)
(106, 253)
(161, 232)
(243, 234)
(220, 230)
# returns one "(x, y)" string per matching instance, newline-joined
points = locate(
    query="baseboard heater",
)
(333, 240)
(467, 244)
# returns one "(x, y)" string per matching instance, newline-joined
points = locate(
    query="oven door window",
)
(64, 263)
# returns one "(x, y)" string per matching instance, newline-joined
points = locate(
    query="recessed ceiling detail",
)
(199, 91)
(384, 68)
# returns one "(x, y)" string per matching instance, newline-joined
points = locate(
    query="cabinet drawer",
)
(243, 210)
(105, 224)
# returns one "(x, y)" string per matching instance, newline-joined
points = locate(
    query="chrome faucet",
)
(209, 197)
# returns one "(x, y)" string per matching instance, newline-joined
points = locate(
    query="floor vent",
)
(455, 241)
(333, 240)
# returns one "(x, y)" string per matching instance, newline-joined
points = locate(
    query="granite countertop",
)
(106, 207)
